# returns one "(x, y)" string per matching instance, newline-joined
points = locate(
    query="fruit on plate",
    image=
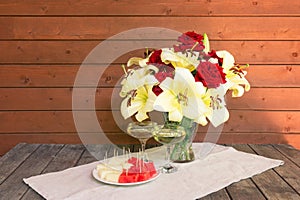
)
(132, 170)
(108, 173)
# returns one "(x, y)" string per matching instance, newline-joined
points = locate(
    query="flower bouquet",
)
(186, 82)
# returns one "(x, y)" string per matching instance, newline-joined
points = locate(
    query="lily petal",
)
(175, 115)
(141, 116)
(188, 61)
(133, 61)
(183, 79)
(219, 116)
(237, 91)
(166, 102)
(228, 60)
(142, 62)
(128, 111)
(202, 120)
(191, 110)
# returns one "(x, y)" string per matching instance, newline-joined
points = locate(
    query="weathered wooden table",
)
(26, 160)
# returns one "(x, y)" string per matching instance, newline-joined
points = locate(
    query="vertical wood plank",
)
(290, 152)
(11, 160)
(92, 152)
(219, 195)
(14, 187)
(281, 182)
(66, 158)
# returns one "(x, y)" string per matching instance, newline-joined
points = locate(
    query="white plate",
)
(95, 175)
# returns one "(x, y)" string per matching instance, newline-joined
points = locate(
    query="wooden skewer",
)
(105, 158)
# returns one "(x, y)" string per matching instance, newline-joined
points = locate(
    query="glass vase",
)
(183, 151)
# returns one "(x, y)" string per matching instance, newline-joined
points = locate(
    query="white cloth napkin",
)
(215, 168)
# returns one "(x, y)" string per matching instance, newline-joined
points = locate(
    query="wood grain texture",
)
(44, 43)
(244, 189)
(13, 187)
(80, 28)
(155, 7)
(70, 52)
(289, 171)
(289, 152)
(14, 99)
(67, 157)
(47, 158)
(62, 121)
(15, 157)
(20, 76)
(219, 195)
(8, 141)
(270, 183)
(91, 151)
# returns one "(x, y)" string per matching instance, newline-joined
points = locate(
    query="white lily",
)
(140, 101)
(218, 113)
(234, 79)
(137, 78)
(181, 96)
(188, 60)
(203, 114)
(142, 62)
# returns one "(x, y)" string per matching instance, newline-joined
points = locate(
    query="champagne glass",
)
(141, 131)
(169, 137)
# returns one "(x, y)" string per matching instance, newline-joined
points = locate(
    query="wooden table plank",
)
(92, 152)
(86, 158)
(12, 159)
(66, 158)
(13, 187)
(290, 152)
(282, 183)
(244, 189)
(219, 195)
(290, 172)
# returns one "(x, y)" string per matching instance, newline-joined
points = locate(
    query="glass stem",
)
(143, 145)
(168, 155)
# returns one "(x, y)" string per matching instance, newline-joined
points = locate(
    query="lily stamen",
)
(194, 46)
(132, 95)
(238, 70)
(182, 98)
(215, 102)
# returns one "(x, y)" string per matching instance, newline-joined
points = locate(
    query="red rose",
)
(155, 57)
(189, 40)
(164, 70)
(210, 74)
(213, 54)
(184, 47)
(157, 90)
(163, 74)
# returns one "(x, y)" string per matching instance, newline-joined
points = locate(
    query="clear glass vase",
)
(183, 151)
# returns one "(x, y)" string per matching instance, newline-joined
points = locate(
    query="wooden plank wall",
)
(43, 43)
